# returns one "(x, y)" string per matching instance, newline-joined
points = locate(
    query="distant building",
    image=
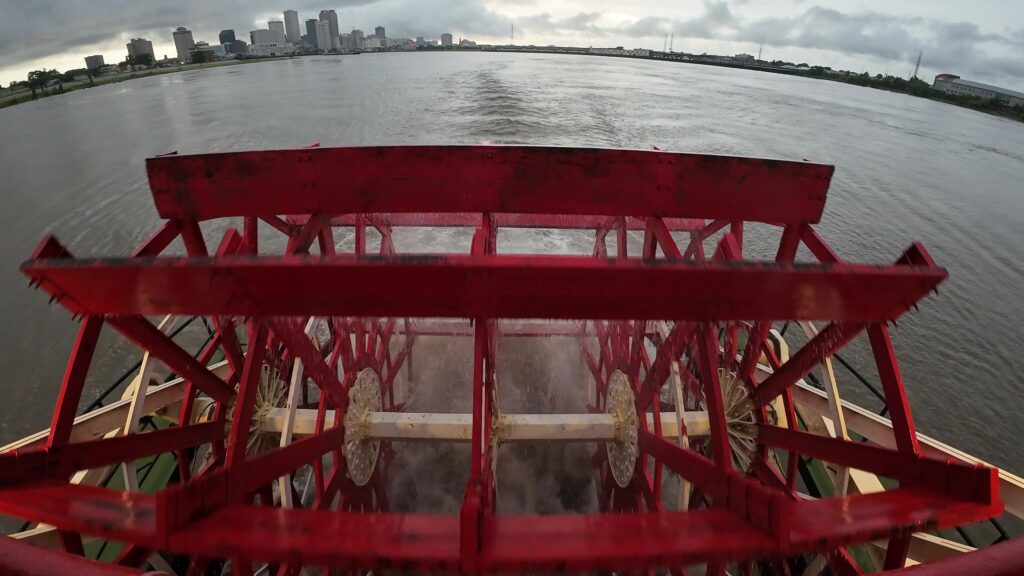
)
(357, 39)
(227, 36)
(420, 41)
(446, 40)
(467, 43)
(952, 84)
(620, 52)
(139, 46)
(277, 26)
(379, 32)
(267, 37)
(373, 43)
(323, 35)
(331, 18)
(311, 32)
(291, 26)
(271, 49)
(237, 47)
(183, 43)
(744, 57)
(94, 62)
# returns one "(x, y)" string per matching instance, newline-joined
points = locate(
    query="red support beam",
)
(817, 245)
(20, 559)
(147, 336)
(245, 400)
(707, 358)
(826, 343)
(74, 380)
(668, 352)
(292, 334)
(496, 286)
(892, 386)
(160, 240)
(511, 179)
(42, 464)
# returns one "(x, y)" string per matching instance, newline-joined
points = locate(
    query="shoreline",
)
(25, 97)
(1005, 112)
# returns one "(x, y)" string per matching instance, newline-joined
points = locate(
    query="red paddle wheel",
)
(284, 445)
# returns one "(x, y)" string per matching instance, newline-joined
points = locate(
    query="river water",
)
(906, 169)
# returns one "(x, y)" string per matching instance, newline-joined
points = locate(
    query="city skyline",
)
(876, 37)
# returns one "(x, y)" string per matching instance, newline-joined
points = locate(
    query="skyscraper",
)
(446, 40)
(332, 19)
(323, 35)
(183, 43)
(379, 32)
(357, 39)
(291, 26)
(227, 36)
(276, 26)
(311, 32)
(139, 46)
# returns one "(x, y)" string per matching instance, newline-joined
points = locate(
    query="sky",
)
(981, 40)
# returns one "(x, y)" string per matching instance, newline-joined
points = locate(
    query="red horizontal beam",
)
(124, 516)
(494, 179)
(473, 219)
(855, 519)
(484, 286)
(20, 559)
(44, 463)
(620, 542)
(967, 482)
(416, 543)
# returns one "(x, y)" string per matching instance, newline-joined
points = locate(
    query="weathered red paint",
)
(305, 194)
(499, 179)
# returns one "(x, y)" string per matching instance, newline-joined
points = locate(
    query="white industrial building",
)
(952, 84)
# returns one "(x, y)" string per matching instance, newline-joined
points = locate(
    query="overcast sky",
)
(979, 39)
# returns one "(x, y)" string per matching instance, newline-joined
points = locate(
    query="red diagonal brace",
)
(74, 380)
(825, 344)
(140, 331)
(293, 337)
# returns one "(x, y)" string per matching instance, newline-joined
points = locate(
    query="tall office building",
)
(227, 36)
(332, 20)
(183, 43)
(446, 40)
(291, 26)
(379, 32)
(276, 26)
(94, 62)
(311, 32)
(139, 46)
(357, 39)
(323, 35)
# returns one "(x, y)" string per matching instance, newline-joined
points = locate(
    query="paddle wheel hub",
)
(285, 428)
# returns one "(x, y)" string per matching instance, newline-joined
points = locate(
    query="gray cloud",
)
(33, 30)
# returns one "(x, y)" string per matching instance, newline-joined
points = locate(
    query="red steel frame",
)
(305, 194)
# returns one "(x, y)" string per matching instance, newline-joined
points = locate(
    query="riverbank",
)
(914, 87)
(22, 97)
